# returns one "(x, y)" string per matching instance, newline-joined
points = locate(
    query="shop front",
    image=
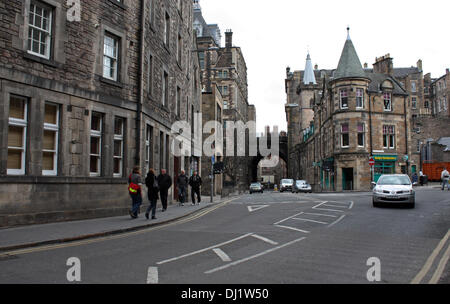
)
(384, 164)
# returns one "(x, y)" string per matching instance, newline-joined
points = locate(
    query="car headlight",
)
(377, 191)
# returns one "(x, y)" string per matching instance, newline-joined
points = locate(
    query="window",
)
(361, 135)
(119, 124)
(444, 102)
(110, 57)
(151, 11)
(222, 74)
(387, 102)
(17, 133)
(50, 144)
(179, 49)
(225, 105)
(389, 137)
(161, 150)
(418, 146)
(426, 90)
(344, 98)
(224, 90)
(167, 156)
(413, 87)
(439, 105)
(359, 98)
(96, 144)
(165, 89)
(167, 30)
(427, 104)
(201, 59)
(414, 102)
(40, 30)
(178, 105)
(150, 75)
(345, 137)
(148, 147)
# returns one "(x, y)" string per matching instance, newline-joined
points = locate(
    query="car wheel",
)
(375, 204)
(412, 205)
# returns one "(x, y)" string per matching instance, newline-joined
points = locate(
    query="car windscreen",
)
(254, 185)
(287, 181)
(394, 180)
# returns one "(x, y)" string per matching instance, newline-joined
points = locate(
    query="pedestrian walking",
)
(164, 183)
(195, 182)
(421, 177)
(153, 188)
(182, 184)
(414, 178)
(135, 191)
(445, 176)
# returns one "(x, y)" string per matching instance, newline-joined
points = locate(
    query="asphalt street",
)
(263, 238)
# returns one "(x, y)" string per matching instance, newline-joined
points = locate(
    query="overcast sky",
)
(277, 34)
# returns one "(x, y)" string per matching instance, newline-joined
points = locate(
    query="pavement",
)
(64, 232)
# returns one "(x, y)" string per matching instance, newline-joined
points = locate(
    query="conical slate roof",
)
(309, 77)
(349, 64)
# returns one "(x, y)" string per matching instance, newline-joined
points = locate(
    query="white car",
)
(302, 186)
(394, 189)
(286, 185)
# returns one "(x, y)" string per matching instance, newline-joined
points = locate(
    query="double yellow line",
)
(441, 266)
(114, 237)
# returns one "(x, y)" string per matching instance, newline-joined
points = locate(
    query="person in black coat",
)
(153, 188)
(164, 182)
(195, 182)
(182, 184)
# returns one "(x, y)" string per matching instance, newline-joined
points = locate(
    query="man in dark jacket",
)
(153, 189)
(182, 184)
(164, 182)
(195, 182)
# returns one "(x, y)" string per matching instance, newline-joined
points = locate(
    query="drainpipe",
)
(406, 135)
(140, 85)
(372, 169)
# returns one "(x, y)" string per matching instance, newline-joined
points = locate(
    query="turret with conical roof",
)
(349, 64)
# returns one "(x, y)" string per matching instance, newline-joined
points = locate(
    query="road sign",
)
(371, 162)
(213, 159)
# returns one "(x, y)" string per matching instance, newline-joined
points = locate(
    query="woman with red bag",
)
(135, 190)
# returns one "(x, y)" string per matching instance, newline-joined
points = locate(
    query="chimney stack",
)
(384, 65)
(229, 39)
(419, 65)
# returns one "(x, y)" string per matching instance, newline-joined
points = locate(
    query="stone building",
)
(82, 102)
(360, 114)
(226, 68)
(212, 111)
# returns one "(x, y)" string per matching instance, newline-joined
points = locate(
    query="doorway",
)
(347, 179)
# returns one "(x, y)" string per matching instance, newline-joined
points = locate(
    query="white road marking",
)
(334, 206)
(327, 215)
(256, 207)
(264, 239)
(253, 256)
(440, 269)
(308, 220)
(351, 205)
(204, 250)
(288, 218)
(152, 275)
(338, 220)
(430, 260)
(222, 255)
(292, 228)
